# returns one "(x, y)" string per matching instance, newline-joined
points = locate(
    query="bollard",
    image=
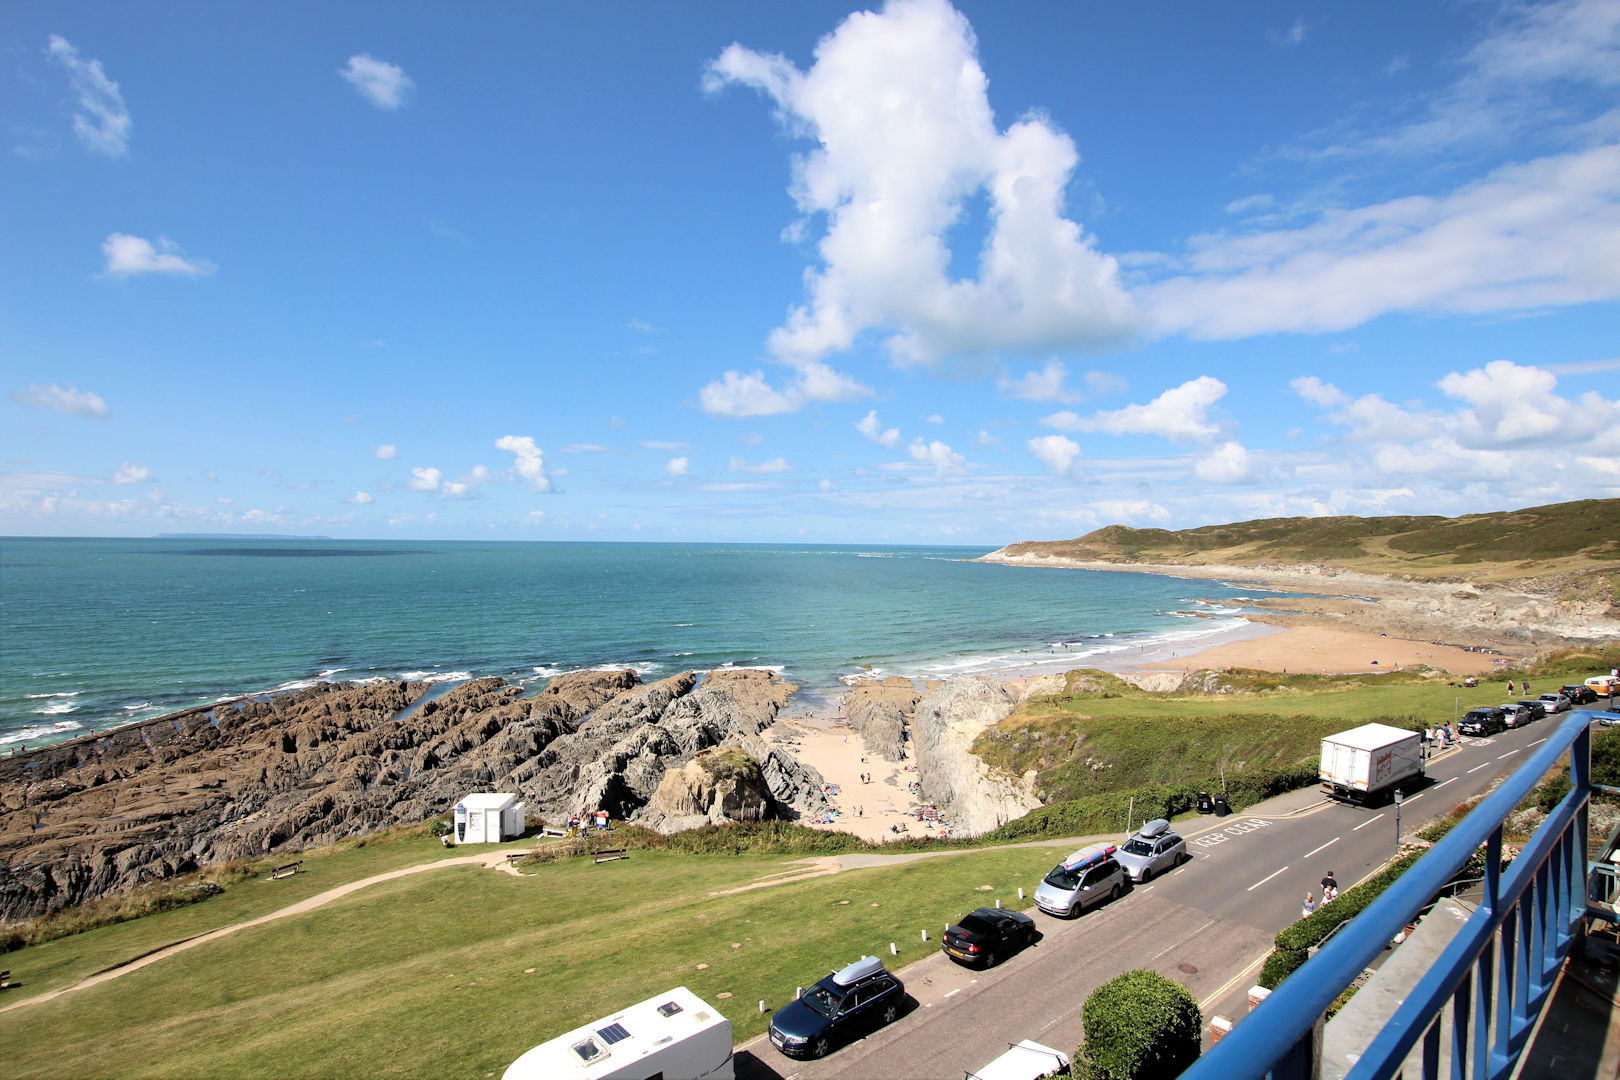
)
(925, 935)
(1020, 892)
(798, 992)
(762, 1007)
(998, 905)
(892, 950)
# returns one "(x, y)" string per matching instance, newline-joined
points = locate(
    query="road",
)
(1207, 925)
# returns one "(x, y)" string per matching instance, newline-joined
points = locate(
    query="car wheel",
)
(990, 959)
(1114, 894)
(891, 1010)
(820, 1047)
(1147, 875)
(1029, 937)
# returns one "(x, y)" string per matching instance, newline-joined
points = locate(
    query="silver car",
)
(1085, 879)
(1555, 703)
(1153, 850)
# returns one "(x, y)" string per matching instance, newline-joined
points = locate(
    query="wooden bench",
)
(286, 871)
(609, 854)
(5, 979)
(552, 830)
(514, 856)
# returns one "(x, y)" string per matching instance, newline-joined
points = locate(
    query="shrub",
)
(1281, 964)
(1139, 1026)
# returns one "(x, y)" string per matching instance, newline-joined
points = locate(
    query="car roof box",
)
(864, 968)
(1156, 827)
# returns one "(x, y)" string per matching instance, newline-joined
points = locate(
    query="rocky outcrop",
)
(880, 711)
(168, 796)
(714, 787)
(948, 719)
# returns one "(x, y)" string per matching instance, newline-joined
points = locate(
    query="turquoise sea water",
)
(95, 633)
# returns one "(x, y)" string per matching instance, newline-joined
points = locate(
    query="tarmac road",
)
(1207, 925)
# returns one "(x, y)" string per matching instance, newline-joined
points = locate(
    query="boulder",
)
(715, 786)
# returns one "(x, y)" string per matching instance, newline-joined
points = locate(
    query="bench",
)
(609, 854)
(514, 856)
(286, 871)
(5, 979)
(552, 830)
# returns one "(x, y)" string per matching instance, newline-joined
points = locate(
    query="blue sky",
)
(741, 271)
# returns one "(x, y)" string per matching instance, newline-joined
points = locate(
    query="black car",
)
(847, 1003)
(1537, 707)
(1579, 693)
(987, 935)
(1483, 722)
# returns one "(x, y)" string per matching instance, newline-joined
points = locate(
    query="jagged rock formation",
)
(880, 711)
(948, 719)
(168, 796)
(715, 786)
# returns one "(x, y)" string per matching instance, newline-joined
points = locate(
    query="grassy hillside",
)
(1564, 538)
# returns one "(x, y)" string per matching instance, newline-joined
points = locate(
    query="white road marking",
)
(1268, 877)
(1415, 798)
(1150, 888)
(1183, 870)
(1476, 768)
(1443, 783)
(1329, 844)
(1538, 742)
(1366, 823)
(958, 990)
(1509, 754)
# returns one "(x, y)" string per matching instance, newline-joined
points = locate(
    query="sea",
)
(96, 633)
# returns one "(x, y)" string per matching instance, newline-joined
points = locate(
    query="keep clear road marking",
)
(1329, 844)
(1265, 879)
(1443, 783)
(1366, 823)
(1476, 768)
(1509, 754)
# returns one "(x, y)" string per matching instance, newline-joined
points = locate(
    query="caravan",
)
(676, 1036)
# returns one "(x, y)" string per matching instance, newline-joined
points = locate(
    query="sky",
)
(802, 272)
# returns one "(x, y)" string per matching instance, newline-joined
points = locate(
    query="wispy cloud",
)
(678, 466)
(773, 465)
(1294, 35)
(383, 84)
(869, 426)
(69, 400)
(102, 122)
(128, 256)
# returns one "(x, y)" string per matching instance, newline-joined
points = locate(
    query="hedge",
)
(1139, 1026)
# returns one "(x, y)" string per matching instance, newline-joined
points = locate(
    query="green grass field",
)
(428, 975)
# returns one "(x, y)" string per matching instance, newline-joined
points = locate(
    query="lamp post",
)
(1399, 798)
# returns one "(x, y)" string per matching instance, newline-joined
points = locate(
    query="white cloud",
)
(129, 255)
(379, 82)
(1067, 420)
(1294, 35)
(774, 465)
(582, 448)
(868, 426)
(987, 439)
(1180, 414)
(937, 456)
(826, 485)
(897, 105)
(1317, 392)
(133, 474)
(1509, 405)
(71, 400)
(738, 395)
(530, 463)
(659, 444)
(1534, 235)
(1056, 452)
(678, 466)
(425, 479)
(385, 452)
(1043, 385)
(361, 498)
(933, 418)
(102, 122)
(1226, 464)
(1583, 367)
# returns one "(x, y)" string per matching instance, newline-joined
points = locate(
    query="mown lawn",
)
(429, 975)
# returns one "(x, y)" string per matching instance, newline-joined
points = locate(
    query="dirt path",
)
(497, 861)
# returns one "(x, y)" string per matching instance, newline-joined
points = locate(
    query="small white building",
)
(676, 1036)
(488, 817)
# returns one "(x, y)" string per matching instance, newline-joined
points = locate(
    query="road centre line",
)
(1329, 844)
(1415, 798)
(1268, 877)
(1509, 754)
(1476, 768)
(958, 990)
(1538, 742)
(1366, 823)
(1443, 783)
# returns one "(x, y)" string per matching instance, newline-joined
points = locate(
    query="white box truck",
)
(1371, 761)
(675, 1036)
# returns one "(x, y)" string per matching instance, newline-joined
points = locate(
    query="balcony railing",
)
(1493, 978)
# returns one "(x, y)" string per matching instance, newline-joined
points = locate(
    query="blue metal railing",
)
(1495, 974)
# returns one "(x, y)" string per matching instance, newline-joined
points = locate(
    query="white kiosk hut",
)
(676, 1036)
(488, 817)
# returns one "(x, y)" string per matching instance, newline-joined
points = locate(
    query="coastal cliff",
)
(168, 796)
(948, 719)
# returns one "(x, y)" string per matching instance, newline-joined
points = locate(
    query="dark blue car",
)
(847, 1003)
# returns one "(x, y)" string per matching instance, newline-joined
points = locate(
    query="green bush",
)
(1281, 964)
(1139, 1026)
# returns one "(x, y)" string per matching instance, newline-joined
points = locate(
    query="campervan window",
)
(588, 1049)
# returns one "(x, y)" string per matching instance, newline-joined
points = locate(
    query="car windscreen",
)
(977, 926)
(822, 1000)
(1067, 880)
(1137, 846)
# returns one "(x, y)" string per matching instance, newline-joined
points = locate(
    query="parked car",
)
(1153, 850)
(1085, 879)
(1579, 693)
(849, 1002)
(1604, 685)
(1537, 707)
(1555, 703)
(987, 935)
(1515, 715)
(1482, 722)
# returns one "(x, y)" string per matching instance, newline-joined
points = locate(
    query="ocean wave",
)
(732, 665)
(548, 671)
(138, 708)
(63, 693)
(329, 672)
(40, 731)
(435, 676)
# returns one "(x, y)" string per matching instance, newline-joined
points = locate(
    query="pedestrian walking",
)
(1330, 886)
(1309, 906)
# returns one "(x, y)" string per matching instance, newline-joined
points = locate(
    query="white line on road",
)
(1510, 753)
(1366, 823)
(1538, 742)
(1415, 798)
(958, 990)
(1150, 888)
(1476, 768)
(1329, 844)
(1183, 870)
(1443, 783)
(1268, 877)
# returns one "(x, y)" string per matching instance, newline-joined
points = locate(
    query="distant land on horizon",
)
(235, 536)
